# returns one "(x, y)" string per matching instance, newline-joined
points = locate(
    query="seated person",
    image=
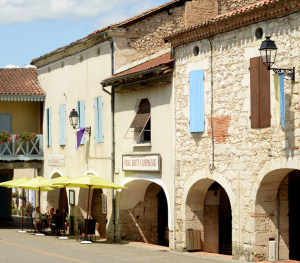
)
(51, 219)
(36, 218)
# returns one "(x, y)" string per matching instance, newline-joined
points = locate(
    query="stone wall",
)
(230, 5)
(141, 222)
(246, 157)
(200, 10)
(145, 38)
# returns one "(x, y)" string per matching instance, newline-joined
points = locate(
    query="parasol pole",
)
(64, 215)
(87, 220)
(40, 234)
(22, 208)
(87, 214)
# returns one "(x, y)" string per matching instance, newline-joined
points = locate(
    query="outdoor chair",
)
(58, 223)
(81, 229)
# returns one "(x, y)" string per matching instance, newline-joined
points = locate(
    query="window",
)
(260, 94)
(49, 127)
(98, 104)
(140, 128)
(81, 119)
(62, 125)
(196, 81)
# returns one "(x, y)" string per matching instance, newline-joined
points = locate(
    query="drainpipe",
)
(174, 178)
(112, 101)
(212, 165)
(277, 241)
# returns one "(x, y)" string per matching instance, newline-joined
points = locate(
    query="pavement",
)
(18, 247)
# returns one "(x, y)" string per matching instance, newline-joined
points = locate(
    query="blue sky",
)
(32, 28)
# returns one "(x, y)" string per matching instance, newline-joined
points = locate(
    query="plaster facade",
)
(67, 81)
(248, 163)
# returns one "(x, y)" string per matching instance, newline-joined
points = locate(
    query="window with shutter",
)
(62, 125)
(98, 119)
(81, 119)
(140, 128)
(196, 81)
(49, 127)
(260, 94)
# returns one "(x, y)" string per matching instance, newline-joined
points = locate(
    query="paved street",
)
(16, 247)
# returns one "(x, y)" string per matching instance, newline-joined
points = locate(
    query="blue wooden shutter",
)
(49, 127)
(96, 120)
(196, 100)
(81, 121)
(62, 124)
(6, 124)
(99, 119)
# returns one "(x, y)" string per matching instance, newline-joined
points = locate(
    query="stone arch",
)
(193, 201)
(55, 197)
(56, 172)
(95, 205)
(149, 178)
(144, 210)
(274, 185)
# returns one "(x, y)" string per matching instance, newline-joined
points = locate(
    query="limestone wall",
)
(230, 5)
(249, 163)
(145, 38)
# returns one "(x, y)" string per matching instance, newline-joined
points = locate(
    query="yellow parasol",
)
(90, 181)
(50, 183)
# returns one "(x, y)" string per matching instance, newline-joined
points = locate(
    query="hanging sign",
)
(146, 163)
(104, 209)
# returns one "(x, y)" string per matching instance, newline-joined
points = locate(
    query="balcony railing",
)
(17, 150)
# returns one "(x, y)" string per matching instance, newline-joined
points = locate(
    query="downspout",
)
(174, 178)
(277, 241)
(112, 101)
(212, 165)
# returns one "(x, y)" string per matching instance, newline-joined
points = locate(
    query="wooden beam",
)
(21, 165)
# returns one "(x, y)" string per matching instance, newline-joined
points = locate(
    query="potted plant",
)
(15, 194)
(28, 208)
(26, 136)
(5, 136)
(22, 196)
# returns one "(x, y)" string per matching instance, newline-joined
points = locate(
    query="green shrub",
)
(15, 211)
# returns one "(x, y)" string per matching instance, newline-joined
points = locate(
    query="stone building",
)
(237, 164)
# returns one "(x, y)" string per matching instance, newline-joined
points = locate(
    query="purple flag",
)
(79, 136)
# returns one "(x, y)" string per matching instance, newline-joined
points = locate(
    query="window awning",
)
(140, 120)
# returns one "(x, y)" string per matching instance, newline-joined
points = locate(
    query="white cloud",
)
(11, 66)
(14, 66)
(16, 11)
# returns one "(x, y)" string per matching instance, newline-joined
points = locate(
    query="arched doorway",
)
(143, 213)
(208, 209)
(55, 198)
(277, 208)
(95, 208)
(97, 211)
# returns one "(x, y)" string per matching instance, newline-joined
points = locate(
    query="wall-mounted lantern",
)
(268, 52)
(74, 118)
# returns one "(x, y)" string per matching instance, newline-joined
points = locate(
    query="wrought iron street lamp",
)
(268, 51)
(74, 118)
(74, 121)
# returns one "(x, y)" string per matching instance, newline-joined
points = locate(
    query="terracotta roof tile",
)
(143, 67)
(19, 81)
(236, 12)
(116, 25)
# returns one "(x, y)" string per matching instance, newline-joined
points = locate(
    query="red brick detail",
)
(220, 126)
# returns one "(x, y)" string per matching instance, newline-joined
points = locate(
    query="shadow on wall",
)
(148, 220)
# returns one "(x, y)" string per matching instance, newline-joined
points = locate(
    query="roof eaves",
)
(109, 82)
(253, 8)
